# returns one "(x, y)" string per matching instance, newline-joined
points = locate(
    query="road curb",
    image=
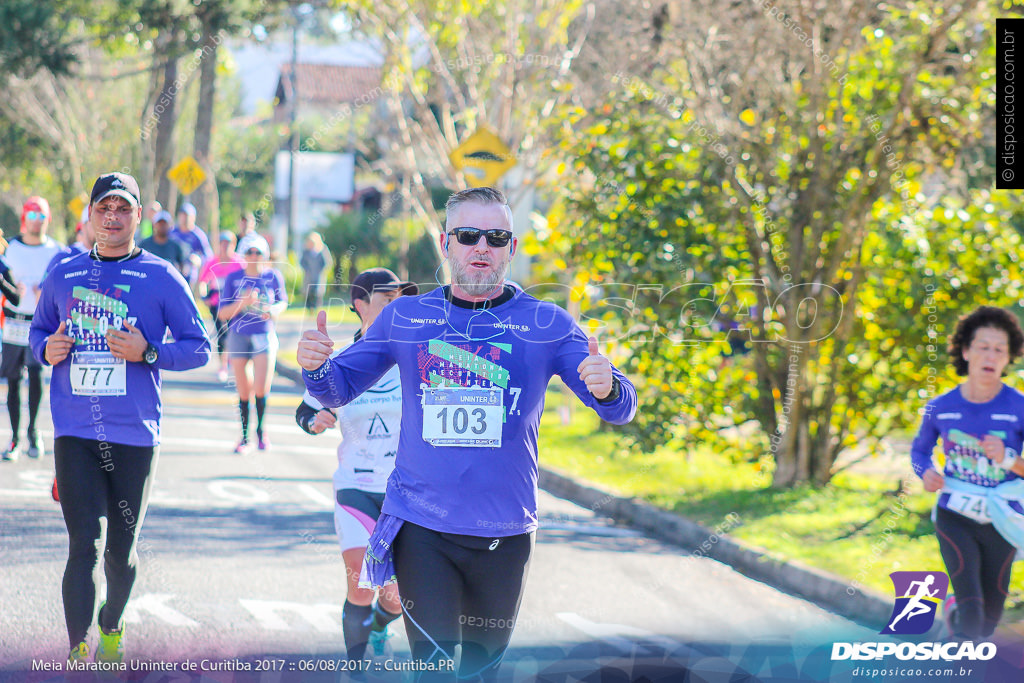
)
(862, 605)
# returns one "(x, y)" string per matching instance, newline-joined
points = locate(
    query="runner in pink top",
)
(211, 281)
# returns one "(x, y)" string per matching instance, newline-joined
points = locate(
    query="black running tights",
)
(102, 486)
(978, 561)
(460, 589)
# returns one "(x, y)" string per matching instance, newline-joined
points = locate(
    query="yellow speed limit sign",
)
(483, 158)
(187, 174)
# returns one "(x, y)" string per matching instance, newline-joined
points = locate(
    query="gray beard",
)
(478, 284)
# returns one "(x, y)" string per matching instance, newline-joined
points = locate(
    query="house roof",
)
(328, 83)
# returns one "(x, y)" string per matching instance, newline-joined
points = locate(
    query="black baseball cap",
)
(381, 280)
(119, 184)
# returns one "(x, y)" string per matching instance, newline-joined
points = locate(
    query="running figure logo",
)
(918, 595)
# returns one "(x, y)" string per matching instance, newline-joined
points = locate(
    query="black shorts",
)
(13, 358)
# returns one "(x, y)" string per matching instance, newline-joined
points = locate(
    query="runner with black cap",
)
(27, 256)
(101, 321)
(366, 457)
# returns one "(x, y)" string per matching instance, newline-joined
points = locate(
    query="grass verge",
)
(855, 527)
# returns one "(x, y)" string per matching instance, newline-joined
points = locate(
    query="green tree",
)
(807, 201)
(359, 240)
(453, 66)
(245, 172)
(34, 36)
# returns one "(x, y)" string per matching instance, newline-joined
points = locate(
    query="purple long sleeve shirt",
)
(960, 426)
(92, 396)
(473, 385)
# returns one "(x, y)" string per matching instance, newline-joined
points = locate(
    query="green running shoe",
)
(111, 646)
(79, 653)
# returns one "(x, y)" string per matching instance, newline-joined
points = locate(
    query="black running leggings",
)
(35, 397)
(978, 560)
(221, 329)
(100, 480)
(456, 589)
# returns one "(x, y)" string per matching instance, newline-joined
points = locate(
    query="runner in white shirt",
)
(366, 457)
(27, 256)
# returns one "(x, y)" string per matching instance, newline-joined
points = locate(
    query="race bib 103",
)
(460, 416)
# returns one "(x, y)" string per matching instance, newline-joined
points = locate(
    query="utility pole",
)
(293, 144)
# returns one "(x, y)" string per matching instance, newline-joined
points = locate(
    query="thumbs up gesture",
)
(316, 346)
(58, 345)
(596, 371)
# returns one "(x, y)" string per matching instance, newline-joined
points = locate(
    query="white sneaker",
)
(13, 452)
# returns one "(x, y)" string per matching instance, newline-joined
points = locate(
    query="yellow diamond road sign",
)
(187, 174)
(76, 205)
(483, 157)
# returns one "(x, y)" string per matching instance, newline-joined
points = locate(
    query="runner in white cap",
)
(251, 301)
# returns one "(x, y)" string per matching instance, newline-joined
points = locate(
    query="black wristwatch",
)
(151, 355)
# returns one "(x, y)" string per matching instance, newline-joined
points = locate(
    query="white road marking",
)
(153, 603)
(316, 495)
(42, 479)
(25, 493)
(207, 446)
(618, 635)
(247, 493)
(319, 616)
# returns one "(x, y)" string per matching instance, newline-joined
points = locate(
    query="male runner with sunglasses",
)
(475, 359)
(27, 256)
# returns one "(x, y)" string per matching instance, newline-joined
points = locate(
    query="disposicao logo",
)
(918, 596)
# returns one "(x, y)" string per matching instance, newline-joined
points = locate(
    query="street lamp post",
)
(293, 143)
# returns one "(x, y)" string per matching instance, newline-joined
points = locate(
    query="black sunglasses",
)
(469, 237)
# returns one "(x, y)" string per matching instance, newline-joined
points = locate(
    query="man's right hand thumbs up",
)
(316, 346)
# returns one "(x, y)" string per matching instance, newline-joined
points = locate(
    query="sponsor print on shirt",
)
(965, 458)
(378, 428)
(463, 396)
(91, 313)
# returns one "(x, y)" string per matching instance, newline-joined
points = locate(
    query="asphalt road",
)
(239, 563)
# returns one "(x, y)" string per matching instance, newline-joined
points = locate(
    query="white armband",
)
(1009, 460)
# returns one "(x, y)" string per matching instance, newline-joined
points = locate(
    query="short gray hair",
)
(477, 195)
